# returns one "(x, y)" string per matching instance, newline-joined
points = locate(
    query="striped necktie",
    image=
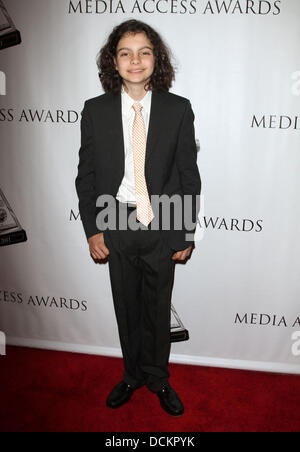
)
(144, 210)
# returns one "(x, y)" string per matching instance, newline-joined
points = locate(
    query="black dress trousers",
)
(141, 273)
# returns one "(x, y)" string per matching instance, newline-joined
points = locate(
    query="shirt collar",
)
(128, 101)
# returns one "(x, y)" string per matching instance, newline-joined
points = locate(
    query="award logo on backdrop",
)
(11, 232)
(2, 84)
(2, 344)
(178, 331)
(9, 35)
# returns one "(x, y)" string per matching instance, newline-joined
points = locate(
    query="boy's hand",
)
(183, 254)
(97, 246)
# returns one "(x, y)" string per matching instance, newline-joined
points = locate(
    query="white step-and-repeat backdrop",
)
(238, 63)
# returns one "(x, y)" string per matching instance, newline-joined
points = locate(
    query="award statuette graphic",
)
(178, 331)
(11, 231)
(9, 35)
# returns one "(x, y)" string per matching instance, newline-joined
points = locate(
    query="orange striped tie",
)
(144, 210)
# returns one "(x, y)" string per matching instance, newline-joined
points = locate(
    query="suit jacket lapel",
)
(156, 122)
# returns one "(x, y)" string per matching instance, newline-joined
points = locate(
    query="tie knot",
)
(137, 107)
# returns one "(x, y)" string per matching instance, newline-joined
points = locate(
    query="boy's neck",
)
(136, 92)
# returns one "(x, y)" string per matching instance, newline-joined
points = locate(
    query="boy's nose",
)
(135, 58)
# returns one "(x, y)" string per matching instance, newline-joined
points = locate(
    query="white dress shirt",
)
(126, 192)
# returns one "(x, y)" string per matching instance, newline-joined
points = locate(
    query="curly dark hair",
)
(164, 72)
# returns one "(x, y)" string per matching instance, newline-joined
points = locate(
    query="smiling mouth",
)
(136, 72)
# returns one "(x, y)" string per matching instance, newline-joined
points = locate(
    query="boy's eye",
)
(143, 53)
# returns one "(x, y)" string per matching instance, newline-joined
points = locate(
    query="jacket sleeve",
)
(186, 160)
(85, 180)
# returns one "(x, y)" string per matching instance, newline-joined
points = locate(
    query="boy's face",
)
(135, 59)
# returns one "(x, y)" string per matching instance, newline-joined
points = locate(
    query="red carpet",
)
(47, 391)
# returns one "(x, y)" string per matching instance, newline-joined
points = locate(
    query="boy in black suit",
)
(138, 142)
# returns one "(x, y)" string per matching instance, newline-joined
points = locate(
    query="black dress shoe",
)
(170, 401)
(120, 394)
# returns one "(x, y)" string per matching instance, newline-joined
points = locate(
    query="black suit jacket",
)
(170, 161)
